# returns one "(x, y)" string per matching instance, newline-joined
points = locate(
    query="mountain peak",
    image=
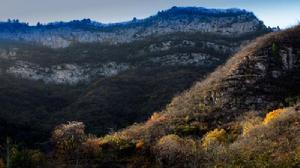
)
(200, 12)
(206, 10)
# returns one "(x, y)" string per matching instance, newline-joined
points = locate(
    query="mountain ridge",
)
(231, 22)
(174, 10)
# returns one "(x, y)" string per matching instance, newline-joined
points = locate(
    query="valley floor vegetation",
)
(251, 141)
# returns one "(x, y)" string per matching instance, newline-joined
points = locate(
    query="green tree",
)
(275, 49)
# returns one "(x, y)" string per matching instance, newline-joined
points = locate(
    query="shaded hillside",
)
(26, 107)
(196, 128)
(113, 103)
(108, 86)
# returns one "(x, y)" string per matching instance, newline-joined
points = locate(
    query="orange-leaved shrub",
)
(273, 143)
(139, 145)
(155, 118)
(214, 137)
(108, 145)
(273, 115)
(250, 121)
(92, 146)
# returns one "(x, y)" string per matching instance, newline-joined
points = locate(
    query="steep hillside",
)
(220, 116)
(110, 76)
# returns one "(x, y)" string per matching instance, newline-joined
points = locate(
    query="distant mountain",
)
(111, 75)
(232, 22)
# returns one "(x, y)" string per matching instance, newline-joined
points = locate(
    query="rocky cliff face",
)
(263, 79)
(65, 73)
(260, 77)
(85, 62)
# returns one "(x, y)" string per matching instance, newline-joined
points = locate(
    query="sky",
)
(283, 13)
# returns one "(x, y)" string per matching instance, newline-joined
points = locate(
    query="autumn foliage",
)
(68, 139)
(212, 137)
(271, 116)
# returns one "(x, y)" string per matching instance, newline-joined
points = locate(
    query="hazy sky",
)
(273, 12)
